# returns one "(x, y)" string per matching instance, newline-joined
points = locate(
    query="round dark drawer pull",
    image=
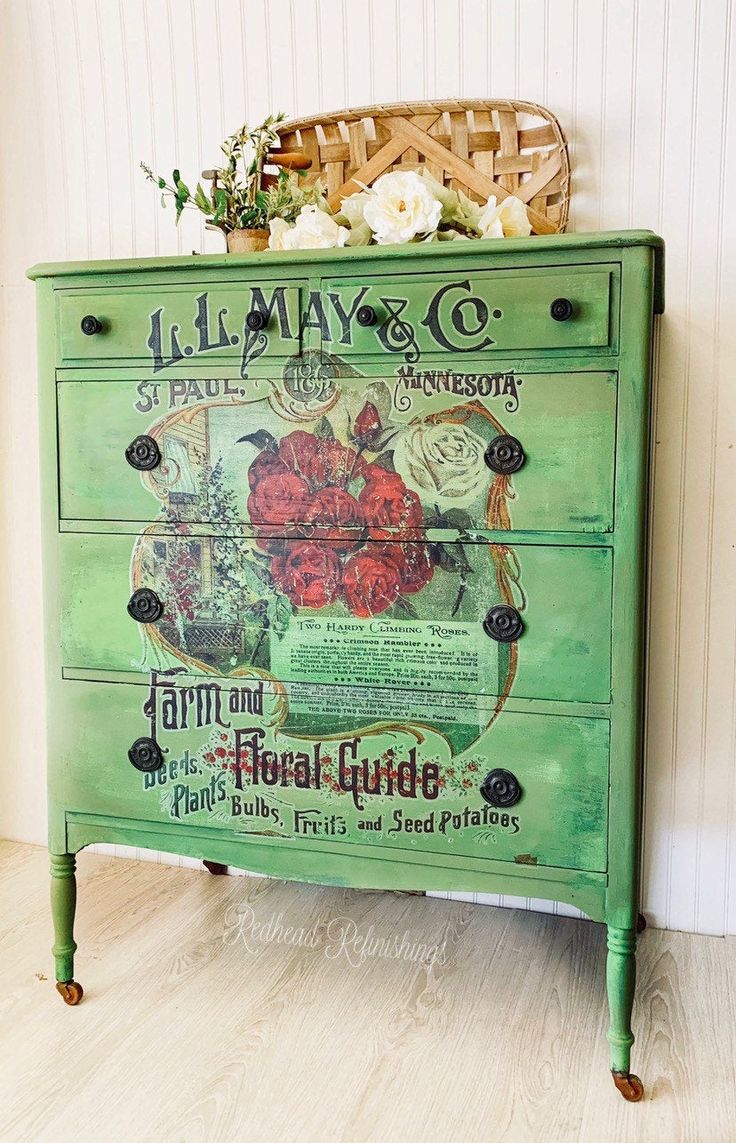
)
(90, 325)
(561, 309)
(366, 315)
(503, 623)
(504, 455)
(145, 754)
(143, 453)
(145, 606)
(256, 320)
(501, 788)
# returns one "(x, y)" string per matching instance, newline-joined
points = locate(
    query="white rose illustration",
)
(314, 229)
(401, 206)
(443, 463)
(508, 219)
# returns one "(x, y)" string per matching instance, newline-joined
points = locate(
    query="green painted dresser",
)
(344, 568)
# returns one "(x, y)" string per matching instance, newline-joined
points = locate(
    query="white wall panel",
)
(645, 91)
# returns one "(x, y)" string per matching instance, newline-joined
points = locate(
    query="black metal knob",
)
(503, 623)
(143, 453)
(145, 754)
(145, 606)
(366, 315)
(500, 788)
(504, 455)
(90, 325)
(561, 309)
(256, 320)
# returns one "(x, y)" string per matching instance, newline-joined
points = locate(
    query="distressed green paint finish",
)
(326, 742)
(169, 325)
(564, 651)
(559, 823)
(535, 408)
(621, 981)
(63, 906)
(322, 862)
(494, 313)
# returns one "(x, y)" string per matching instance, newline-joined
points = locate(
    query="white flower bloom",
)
(507, 220)
(351, 211)
(353, 207)
(278, 227)
(314, 229)
(400, 207)
(442, 462)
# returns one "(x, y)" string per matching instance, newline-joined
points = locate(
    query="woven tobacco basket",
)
(482, 147)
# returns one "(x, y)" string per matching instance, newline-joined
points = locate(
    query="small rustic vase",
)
(245, 241)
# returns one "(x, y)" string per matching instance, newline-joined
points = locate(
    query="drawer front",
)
(386, 613)
(173, 327)
(264, 451)
(228, 761)
(411, 317)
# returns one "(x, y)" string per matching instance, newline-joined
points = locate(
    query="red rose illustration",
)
(303, 489)
(387, 501)
(376, 472)
(411, 560)
(266, 464)
(273, 538)
(318, 461)
(278, 499)
(367, 424)
(369, 585)
(341, 464)
(299, 451)
(335, 506)
(309, 574)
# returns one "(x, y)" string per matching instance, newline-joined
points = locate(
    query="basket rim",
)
(419, 107)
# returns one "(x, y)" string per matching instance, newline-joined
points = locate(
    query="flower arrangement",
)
(282, 212)
(401, 206)
(243, 199)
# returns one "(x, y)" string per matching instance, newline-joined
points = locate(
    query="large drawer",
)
(223, 445)
(414, 316)
(170, 326)
(230, 763)
(529, 621)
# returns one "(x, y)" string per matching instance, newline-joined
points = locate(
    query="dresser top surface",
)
(423, 254)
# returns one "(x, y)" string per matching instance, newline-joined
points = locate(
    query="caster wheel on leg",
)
(630, 1086)
(70, 992)
(641, 923)
(215, 867)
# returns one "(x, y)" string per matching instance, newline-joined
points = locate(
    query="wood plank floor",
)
(188, 1034)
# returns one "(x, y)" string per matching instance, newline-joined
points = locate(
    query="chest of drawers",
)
(344, 567)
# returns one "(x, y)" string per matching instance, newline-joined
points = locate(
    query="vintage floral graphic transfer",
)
(320, 544)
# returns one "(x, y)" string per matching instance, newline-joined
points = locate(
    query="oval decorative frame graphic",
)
(190, 424)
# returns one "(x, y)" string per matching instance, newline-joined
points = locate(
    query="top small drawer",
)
(169, 325)
(429, 315)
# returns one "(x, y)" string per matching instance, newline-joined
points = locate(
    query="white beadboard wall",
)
(645, 91)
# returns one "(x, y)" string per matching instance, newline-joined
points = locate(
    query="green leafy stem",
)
(237, 199)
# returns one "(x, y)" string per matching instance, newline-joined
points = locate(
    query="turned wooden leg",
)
(63, 904)
(621, 980)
